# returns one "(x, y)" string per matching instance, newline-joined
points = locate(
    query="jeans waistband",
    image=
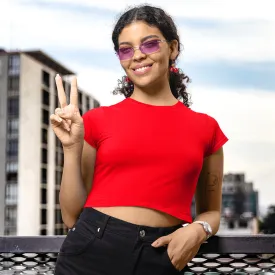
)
(103, 221)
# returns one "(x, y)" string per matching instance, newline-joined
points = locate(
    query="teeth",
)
(142, 68)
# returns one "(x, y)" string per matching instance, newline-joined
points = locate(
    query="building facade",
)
(31, 157)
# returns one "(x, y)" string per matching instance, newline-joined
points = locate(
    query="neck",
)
(156, 95)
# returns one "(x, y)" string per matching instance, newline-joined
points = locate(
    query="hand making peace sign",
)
(67, 122)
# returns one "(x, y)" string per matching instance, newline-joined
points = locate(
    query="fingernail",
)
(57, 76)
(60, 119)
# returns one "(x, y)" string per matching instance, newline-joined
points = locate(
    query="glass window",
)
(13, 83)
(13, 106)
(11, 193)
(14, 65)
(44, 156)
(79, 98)
(13, 126)
(44, 136)
(45, 97)
(43, 232)
(10, 220)
(87, 103)
(96, 104)
(43, 175)
(43, 217)
(12, 166)
(46, 78)
(11, 176)
(12, 148)
(43, 199)
(58, 217)
(56, 196)
(45, 116)
(58, 176)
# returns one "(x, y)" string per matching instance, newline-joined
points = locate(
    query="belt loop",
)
(102, 225)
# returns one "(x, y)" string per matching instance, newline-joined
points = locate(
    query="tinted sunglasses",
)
(145, 47)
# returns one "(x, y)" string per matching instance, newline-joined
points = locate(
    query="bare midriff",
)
(140, 216)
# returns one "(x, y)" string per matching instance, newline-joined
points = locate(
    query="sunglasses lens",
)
(125, 53)
(150, 46)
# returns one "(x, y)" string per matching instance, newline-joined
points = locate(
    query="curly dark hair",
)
(156, 17)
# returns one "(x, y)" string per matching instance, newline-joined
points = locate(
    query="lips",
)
(142, 69)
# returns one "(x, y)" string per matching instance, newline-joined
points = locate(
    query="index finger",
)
(60, 91)
(74, 92)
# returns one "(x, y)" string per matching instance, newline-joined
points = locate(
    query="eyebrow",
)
(142, 40)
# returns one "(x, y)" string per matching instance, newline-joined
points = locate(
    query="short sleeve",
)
(216, 138)
(90, 129)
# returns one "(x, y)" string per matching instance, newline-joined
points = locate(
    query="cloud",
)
(236, 35)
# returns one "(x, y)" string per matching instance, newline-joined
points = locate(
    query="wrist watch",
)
(207, 228)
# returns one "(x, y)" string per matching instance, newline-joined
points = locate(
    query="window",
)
(87, 103)
(12, 166)
(14, 65)
(58, 143)
(43, 199)
(13, 106)
(13, 83)
(80, 98)
(45, 97)
(58, 176)
(43, 232)
(12, 149)
(11, 177)
(11, 194)
(96, 103)
(10, 220)
(59, 159)
(56, 103)
(13, 126)
(45, 116)
(58, 217)
(44, 156)
(43, 217)
(44, 136)
(43, 175)
(46, 79)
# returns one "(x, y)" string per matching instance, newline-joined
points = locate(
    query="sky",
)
(229, 53)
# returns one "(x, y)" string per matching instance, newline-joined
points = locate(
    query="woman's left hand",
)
(183, 244)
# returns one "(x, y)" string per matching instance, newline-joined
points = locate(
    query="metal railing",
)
(220, 255)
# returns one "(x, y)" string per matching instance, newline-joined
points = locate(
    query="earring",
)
(128, 83)
(173, 68)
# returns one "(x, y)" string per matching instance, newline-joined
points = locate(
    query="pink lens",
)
(146, 48)
(150, 46)
(125, 53)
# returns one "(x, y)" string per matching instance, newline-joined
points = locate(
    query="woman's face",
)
(144, 69)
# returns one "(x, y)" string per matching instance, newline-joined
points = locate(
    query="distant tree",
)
(267, 226)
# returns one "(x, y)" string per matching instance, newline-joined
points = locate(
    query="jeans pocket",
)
(78, 239)
(168, 260)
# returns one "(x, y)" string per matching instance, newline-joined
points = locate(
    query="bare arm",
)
(79, 157)
(209, 190)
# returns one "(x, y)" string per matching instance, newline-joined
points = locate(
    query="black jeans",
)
(102, 245)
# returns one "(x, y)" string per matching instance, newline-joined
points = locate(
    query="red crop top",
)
(149, 156)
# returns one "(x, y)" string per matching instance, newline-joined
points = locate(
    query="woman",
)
(135, 166)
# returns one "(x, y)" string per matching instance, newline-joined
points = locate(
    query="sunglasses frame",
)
(139, 48)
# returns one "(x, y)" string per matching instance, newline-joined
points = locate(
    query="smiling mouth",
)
(142, 69)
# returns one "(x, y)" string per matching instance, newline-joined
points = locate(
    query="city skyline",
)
(229, 53)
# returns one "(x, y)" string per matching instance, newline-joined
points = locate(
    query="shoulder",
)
(200, 118)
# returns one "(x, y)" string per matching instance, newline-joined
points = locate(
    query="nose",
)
(138, 54)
